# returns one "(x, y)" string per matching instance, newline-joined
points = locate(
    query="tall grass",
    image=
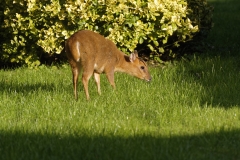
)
(190, 110)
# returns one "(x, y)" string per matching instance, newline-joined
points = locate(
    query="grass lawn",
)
(190, 110)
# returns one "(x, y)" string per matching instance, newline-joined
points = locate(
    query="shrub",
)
(36, 28)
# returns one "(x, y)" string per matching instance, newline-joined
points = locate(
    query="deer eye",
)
(142, 67)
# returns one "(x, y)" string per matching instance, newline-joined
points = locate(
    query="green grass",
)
(190, 110)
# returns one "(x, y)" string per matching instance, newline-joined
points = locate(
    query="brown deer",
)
(93, 54)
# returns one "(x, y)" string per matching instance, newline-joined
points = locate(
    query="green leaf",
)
(150, 47)
(161, 49)
(164, 41)
(140, 40)
(156, 43)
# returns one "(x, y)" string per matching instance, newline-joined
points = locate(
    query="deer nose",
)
(149, 79)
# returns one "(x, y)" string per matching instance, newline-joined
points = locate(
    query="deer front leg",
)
(110, 77)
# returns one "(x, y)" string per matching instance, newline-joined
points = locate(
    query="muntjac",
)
(93, 54)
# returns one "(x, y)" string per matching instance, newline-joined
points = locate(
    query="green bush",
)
(36, 28)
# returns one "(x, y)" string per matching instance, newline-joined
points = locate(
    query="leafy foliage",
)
(34, 28)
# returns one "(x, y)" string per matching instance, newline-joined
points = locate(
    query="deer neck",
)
(123, 63)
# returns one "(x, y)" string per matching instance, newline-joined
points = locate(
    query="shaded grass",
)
(225, 34)
(218, 145)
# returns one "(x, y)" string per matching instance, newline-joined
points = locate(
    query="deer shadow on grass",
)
(25, 88)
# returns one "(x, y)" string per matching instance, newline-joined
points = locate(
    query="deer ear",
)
(136, 53)
(133, 56)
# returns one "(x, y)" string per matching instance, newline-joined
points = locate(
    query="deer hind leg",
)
(75, 72)
(87, 73)
(97, 80)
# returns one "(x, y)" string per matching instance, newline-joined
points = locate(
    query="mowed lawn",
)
(190, 109)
